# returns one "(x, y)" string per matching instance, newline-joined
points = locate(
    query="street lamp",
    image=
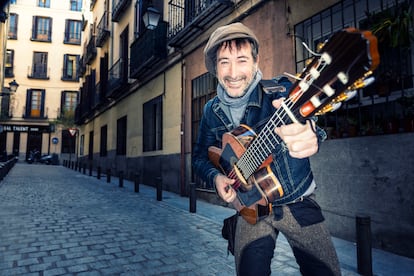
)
(5, 103)
(151, 17)
(13, 85)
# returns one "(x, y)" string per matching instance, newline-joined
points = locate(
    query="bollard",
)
(73, 165)
(364, 250)
(108, 175)
(84, 168)
(193, 198)
(121, 179)
(136, 183)
(98, 172)
(80, 166)
(159, 188)
(90, 169)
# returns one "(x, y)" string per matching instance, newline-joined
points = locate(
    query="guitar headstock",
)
(346, 60)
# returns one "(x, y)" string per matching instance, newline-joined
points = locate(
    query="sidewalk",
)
(383, 263)
(56, 221)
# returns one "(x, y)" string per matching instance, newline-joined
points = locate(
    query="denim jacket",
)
(294, 174)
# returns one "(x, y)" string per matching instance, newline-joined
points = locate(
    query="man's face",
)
(235, 68)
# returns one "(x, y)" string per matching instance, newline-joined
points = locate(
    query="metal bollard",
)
(121, 179)
(136, 183)
(159, 188)
(108, 175)
(80, 166)
(90, 169)
(84, 168)
(364, 246)
(193, 198)
(98, 172)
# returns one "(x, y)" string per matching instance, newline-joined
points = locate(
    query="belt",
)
(253, 214)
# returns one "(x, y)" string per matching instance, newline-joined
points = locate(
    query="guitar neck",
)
(265, 142)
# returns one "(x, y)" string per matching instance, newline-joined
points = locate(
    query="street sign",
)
(72, 131)
(55, 140)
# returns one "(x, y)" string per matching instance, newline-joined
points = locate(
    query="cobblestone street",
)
(57, 221)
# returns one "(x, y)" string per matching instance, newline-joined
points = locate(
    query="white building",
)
(42, 52)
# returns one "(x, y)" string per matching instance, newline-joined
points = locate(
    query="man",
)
(231, 54)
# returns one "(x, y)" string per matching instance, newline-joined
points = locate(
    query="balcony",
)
(152, 48)
(103, 30)
(43, 36)
(118, 8)
(117, 78)
(89, 51)
(187, 22)
(85, 108)
(38, 71)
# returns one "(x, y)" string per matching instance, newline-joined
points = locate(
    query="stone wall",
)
(370, 176)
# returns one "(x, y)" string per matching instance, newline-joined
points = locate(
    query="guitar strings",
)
(261, 147)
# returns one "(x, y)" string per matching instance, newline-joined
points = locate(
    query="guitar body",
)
(234, 145)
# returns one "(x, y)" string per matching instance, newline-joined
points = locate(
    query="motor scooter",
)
(34, 156)
(46, 159)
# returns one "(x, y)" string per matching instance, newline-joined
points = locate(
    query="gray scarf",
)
(236, 106)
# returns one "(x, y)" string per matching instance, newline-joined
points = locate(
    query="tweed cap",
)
(222, 34)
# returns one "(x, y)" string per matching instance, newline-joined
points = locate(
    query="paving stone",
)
(57, 221)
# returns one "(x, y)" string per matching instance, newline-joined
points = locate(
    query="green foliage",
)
(394, 26)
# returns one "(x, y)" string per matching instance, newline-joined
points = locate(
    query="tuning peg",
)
(350, 94)
(362, 82)
(330, 107)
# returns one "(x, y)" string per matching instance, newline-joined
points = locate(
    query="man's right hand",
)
(224, 189)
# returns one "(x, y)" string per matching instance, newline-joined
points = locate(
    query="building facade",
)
(143, 89)
(41, 55)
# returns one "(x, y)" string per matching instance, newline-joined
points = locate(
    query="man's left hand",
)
(300, 139)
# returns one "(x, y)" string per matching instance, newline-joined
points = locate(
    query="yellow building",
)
(42, 53)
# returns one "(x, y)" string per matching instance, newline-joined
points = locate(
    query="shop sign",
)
(24, 128)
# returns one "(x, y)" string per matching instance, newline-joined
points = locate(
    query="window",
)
(376, 109)
(69, 101)
(39, 67)
(138, 24)
(82, 145)
(121, 136)
(104, 141)
(35, 103)
(203, 89)
(42, 28)
(70, 67)
(68, 142)
(90, 148)
(43, 3)
(73, 29)
(13, 20)
(76, 5)
(152, 124)
(9, 64)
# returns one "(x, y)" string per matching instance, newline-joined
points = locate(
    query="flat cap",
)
(222, 34)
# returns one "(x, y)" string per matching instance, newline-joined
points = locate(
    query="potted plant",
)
(393, 26)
